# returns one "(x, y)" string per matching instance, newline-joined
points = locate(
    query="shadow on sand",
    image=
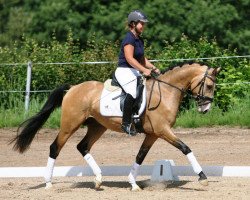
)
(147, 185)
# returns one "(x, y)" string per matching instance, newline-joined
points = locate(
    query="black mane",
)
(180, 64)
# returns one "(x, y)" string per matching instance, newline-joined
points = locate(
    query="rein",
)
(150, 95)
(155, 77)
(199, 97)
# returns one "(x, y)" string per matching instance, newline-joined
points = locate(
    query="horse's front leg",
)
(145, 147)
(170, 137)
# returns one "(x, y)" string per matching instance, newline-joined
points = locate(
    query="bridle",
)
(200, 97)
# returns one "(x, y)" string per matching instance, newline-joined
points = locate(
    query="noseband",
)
(200, 98)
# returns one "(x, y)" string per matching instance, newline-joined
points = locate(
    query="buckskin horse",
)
(80, 105)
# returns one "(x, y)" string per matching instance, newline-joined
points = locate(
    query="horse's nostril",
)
(205, 111)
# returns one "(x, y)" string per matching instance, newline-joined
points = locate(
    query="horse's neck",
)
(181, 77)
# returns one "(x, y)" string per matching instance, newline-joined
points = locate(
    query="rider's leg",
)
(127, 78)
(127, 115)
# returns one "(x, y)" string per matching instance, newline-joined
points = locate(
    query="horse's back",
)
(88, 86)
(85, 92)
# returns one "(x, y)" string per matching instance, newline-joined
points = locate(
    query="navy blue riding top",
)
(138, 49)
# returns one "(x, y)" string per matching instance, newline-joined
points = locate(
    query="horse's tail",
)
(33, 124)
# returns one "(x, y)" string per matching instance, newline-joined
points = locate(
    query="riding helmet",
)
(136, 16)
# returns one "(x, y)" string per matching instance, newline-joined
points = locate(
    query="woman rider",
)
(132, 64)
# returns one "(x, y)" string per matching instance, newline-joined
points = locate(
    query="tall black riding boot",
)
(127, 114)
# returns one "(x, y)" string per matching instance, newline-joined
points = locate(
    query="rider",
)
(132, 64)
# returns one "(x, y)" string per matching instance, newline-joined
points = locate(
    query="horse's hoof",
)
(136, 189)
(203, 179)
(203, 182)
(98, 182)
(48, 186)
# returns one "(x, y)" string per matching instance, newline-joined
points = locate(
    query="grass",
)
(16, 115)
(237, 115)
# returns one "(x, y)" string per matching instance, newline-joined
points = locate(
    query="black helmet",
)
(136, 16)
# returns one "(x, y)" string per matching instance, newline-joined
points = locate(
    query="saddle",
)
(113, 96)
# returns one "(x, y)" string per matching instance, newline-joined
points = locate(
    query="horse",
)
(80, 105)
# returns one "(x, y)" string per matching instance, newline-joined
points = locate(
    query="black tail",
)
(31, 126)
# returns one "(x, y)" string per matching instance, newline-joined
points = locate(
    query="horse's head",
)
(202, 87)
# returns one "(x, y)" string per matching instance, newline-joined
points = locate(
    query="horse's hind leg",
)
(70, 122)
(95, 131)
(175, 141)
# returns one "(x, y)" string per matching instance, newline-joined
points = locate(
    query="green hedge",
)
(49, 76)
(234, 70)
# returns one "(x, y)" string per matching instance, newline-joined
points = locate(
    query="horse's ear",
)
(216, 71)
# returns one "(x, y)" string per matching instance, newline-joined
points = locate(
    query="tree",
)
(227, 21)
(238, 35)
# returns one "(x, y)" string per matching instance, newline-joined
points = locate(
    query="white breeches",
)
(127, 77)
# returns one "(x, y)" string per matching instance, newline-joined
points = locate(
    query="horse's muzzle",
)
(204, 108)
(204, 103)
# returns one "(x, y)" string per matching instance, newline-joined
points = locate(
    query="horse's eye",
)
(209, 87)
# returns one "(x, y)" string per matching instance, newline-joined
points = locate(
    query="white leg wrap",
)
(133, 174)
(91, 162)
(49, 170)
(196, 166)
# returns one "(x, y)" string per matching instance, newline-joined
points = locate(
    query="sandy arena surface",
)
(212, 146)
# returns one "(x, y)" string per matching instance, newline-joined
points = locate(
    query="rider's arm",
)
(129, 52)
(149, 65)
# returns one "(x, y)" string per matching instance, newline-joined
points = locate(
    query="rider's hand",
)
(146, 72)
(157, 71)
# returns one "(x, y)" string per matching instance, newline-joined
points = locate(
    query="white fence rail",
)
(163, 170)
(113, 62)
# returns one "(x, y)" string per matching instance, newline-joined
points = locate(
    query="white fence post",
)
(28, 83)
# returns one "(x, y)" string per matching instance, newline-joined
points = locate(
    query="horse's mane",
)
(180, 64)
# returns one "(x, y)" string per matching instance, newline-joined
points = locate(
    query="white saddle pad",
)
(110, 107)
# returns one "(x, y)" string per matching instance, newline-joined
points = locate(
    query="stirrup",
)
(127, 129)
